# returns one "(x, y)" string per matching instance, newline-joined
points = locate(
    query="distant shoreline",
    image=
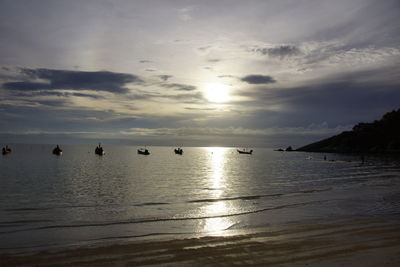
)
(380, 136)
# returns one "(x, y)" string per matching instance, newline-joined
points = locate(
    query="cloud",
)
(258, 79)
(333, 55)
(52, 103)
(186, 136)
(204, 49)
(226, 76)
(200, 109)
(165, 77)
(344, 98)
(73, 80)
(179, 86)
(328, 54)
(281, 51)
(87, 95)
(184, 13)
(55, 93)
(26, 86)
(55, 115)
(312, 129)
(185, 98)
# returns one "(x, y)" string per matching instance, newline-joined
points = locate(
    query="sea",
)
(82, 199)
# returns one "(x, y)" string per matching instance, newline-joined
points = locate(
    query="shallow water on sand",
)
(79, 198)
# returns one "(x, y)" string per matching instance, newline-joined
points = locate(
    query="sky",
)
(195, 73)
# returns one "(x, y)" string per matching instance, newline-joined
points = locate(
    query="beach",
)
(356, 242)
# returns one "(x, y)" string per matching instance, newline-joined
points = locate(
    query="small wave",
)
(222, 199)
(136, 236)
(26, 209)
(152, 220)
(312, 191)
(213, 188)
(10, 223)
(232, 198)
(253, 197)
(29, 247)
(82, 206)
(232, 226)
(151, 204)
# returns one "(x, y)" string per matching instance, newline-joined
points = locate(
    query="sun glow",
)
(217, 92)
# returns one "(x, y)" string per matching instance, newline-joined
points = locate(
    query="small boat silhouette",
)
(143, 151)
(178, 151)
(6, 150)
(57, 151)
(244, 151)
(99, 150)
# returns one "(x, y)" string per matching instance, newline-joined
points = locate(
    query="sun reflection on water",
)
(216, 175)
(217, 183)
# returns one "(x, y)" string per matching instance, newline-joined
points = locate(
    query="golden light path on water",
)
(218, 182)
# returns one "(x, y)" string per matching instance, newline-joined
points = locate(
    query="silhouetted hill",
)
(379, 136)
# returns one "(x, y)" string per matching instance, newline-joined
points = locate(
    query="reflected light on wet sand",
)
(218, 183)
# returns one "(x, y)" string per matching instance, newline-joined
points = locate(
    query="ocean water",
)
(79, 198)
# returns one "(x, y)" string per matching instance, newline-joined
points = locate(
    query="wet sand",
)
(356, 242)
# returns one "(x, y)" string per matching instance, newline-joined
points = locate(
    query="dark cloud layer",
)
(52, 103)
(258, 79)
(26, 86)
(49, 117)
(54, 93)
(339, 99)
(73, 80)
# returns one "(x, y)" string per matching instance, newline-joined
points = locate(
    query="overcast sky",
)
(229, 73)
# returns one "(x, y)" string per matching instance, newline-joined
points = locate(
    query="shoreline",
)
(351, 242)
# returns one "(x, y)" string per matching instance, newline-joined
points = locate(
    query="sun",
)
(217, 92)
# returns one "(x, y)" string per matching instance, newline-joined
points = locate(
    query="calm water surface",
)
(79, 198)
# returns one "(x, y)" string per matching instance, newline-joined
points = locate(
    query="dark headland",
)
(380, 136)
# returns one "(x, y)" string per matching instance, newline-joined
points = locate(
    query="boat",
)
(6, 150)
(178, 151)
(143, 151)
(57, 151)
(244, 151)
(99, 150)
